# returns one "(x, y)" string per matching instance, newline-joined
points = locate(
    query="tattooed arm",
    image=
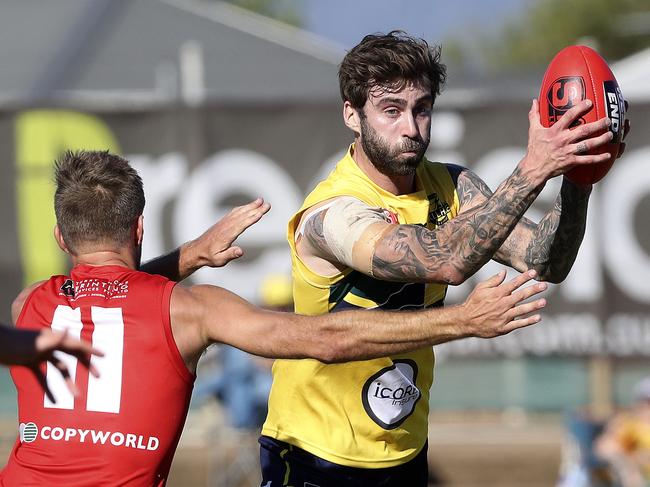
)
(345, 231)
(457, 249)
(461, 246)
(550, 246)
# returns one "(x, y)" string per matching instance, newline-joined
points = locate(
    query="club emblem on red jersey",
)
(68, 288)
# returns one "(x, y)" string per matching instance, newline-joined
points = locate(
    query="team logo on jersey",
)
(390, 395)
(28, 432)
(68, 288)
(439, 211)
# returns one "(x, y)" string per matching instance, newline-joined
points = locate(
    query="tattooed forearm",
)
(456, 250)
(554, 244)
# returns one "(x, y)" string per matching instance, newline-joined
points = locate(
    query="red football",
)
(577, 73)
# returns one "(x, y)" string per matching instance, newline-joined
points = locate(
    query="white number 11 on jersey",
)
(104, 392)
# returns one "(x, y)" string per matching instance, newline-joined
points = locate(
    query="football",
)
(575, 74)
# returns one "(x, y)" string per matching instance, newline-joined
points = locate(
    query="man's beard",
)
(390, 160)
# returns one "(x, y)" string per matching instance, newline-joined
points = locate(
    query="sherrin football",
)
(575, 74)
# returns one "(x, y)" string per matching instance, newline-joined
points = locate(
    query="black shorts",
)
(284, 465)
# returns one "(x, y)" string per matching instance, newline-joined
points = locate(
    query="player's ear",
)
(352, 117)
(139, 231)
(59, 239)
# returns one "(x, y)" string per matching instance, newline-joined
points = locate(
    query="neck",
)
(393, 184)
(121, 257)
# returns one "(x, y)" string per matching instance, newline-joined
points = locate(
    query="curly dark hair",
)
(390, 61)
(98, 198)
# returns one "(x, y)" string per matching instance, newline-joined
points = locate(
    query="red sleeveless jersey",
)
(124, 426)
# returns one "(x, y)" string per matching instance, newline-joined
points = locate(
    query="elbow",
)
(552, 274)
(456, 280)
(336, 349)
(457, 271)
(333, 353)
(455, 277)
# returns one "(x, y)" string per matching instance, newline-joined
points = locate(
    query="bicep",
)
(344, 232)
(210, 314)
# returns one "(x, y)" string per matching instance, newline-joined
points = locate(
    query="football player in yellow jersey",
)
(388, 229)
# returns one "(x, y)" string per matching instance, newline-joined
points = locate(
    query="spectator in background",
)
(243, 381)
(625, 442)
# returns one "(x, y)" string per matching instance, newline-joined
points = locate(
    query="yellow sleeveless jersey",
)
(374, 413)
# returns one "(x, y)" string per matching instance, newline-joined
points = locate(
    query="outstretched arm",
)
(214, 248)
(202, 315)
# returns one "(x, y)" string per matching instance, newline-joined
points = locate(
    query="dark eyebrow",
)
(401, 102)
(389, 100)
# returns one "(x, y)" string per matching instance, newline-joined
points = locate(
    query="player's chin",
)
(403, 170)
(409, 161)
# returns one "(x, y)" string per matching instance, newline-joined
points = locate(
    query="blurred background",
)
(217, 103)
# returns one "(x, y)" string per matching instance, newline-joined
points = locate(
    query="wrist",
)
(532, 172)
(190, 257)
(581, 189)
(462, 317)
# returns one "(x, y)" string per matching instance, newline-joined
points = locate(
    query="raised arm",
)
(456, 250)
(550, 246)
(214, 248)
(202, 315)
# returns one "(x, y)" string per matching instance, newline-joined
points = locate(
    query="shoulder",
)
(455, 170)
(469, 186)
(189, 303)
(183, 301)
(19, 302)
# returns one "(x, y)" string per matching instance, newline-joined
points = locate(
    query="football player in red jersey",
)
(124, 425)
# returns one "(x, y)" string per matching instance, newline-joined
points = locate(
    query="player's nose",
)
(409, 126)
